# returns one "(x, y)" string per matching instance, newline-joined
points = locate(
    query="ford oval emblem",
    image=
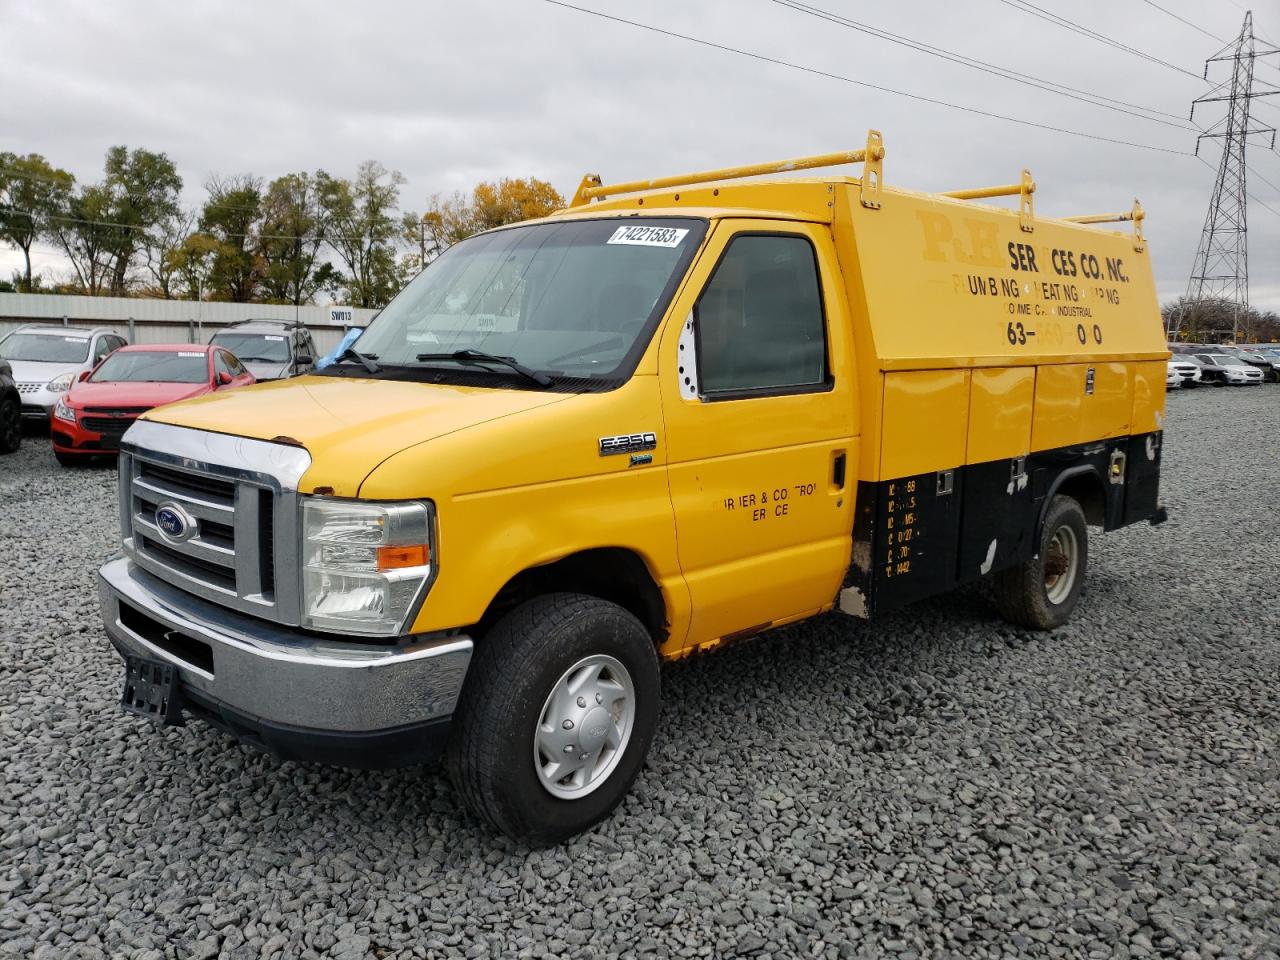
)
(174, 523)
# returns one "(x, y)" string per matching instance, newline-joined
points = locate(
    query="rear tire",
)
(554, 723)
(10, 425)
(1042, 592)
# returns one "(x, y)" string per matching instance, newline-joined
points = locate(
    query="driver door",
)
(759, 413)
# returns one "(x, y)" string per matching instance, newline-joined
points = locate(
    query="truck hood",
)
(348, 425)
(132, 394)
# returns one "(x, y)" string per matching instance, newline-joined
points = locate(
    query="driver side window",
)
(759, 323)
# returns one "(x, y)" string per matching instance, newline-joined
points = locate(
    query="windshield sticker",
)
(270, 337)
(73, 340)
(184, 353)
(642, 236)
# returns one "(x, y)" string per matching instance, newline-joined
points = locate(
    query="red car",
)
(93, 415)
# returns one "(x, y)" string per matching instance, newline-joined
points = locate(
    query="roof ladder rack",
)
(1136, 215)
(1023, 189)
(872, 156)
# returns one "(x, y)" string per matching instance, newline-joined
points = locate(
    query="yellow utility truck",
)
(677, 413)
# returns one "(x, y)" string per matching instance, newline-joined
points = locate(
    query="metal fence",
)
(172, 321)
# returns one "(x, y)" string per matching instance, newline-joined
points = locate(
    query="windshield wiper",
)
(365, 359)
(477, 356)
(258, 359)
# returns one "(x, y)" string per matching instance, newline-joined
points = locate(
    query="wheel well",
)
(610, 573)
(1086, 489)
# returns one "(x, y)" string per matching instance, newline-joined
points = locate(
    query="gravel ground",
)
(938, 784)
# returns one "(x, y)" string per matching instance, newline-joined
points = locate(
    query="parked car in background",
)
(10, 410)
(93, 415)
(1269, 366)
(47, 358)
(1223, 369)
(1182, 373)
(271, 349)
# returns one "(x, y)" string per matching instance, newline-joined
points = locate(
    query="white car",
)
(1182, 373)
(1228, 369)
(47, 359)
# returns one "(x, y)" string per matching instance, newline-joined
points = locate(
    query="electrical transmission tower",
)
(1220, 277)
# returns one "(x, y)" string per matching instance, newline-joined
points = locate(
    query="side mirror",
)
(84, 375)
(303, 360)
(224, 378)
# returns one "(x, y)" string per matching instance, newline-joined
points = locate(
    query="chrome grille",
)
(242, 517)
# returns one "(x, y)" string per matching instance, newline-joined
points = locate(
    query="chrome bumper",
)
(277, 674)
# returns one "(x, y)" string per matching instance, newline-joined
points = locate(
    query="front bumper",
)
(292, 693)
(68, 437)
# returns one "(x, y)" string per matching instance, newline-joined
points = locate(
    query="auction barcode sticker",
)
(643, 236)
(186, 353)
(74, 340)
(271, 337)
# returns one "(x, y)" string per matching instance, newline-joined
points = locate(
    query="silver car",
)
(271, 349)
(48, 358)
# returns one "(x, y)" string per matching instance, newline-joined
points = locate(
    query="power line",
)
(814, 71)
(1193, 26)
(1027, 7)
(1093, 99)
(233, 236)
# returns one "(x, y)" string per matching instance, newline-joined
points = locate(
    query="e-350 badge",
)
(627, 443)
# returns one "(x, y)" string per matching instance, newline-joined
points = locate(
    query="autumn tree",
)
(32, 191)
(292, 234)
(103, 227)
(458, 216)
(363, 229)
(160, 243)
(142, 189)
(191, 263)
(230, 216)
(86, 236)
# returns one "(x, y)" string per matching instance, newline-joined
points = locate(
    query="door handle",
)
(838, 470)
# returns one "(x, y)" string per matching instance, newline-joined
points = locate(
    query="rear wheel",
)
(1042, 592)
(559, 707)
(10, 425)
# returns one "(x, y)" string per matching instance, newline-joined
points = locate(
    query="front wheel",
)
(1042, 592)
(10, 425)
(560, 705)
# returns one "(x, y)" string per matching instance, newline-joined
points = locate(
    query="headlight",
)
(62, 383)
(364, 565)
(64, 412)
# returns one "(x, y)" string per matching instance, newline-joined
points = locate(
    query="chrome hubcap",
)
(1061, 564)
(584, 727)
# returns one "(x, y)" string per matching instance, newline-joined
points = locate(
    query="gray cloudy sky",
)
(451, 93)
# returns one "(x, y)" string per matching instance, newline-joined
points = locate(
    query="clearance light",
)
(396, 558)
(365, 565)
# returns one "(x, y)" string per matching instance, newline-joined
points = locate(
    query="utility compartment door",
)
(759, 415)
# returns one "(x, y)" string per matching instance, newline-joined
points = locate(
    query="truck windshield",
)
(44, 348)
(577, 299)
(154, 366)
(255, 347)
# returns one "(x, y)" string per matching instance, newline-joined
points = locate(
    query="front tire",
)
(1042, 592)
(556, 717)
(67, 459)
(10, 425)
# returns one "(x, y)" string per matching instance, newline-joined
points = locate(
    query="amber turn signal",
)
(394, 558)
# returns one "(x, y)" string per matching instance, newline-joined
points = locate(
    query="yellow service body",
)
(975, 367)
